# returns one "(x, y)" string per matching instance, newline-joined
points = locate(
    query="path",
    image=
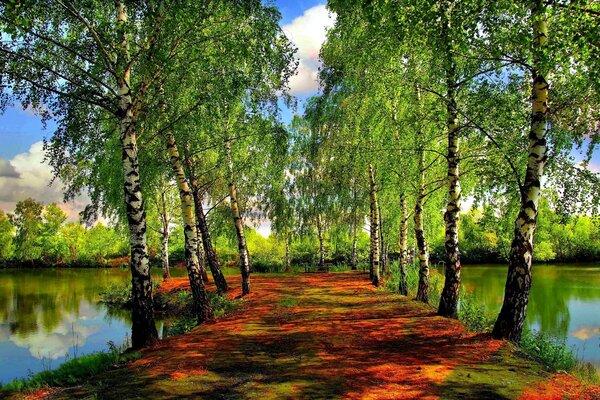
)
(329, 336)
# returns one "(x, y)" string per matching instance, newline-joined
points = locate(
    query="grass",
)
(72, 372)
(551, 351)
(475, 315)
(288, 302)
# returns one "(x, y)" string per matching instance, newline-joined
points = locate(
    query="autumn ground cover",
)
(327, 336)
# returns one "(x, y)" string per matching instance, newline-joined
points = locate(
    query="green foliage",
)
(28, 221)
(118, 295)
(268, 253)
(186, 321)
(550, 350)
(73, 372)
(7, 233)
(474, 314)
(222, 305)
(288, 302)
(181, 325)
(42, 234)
(436, 281)
(485, 236)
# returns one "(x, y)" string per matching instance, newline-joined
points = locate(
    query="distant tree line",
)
(40, 235)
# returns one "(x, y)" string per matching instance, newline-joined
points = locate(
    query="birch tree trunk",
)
(165, 237)
(354, 247)
(403, 245)
(200, 254)
(195, 274)
(375, 245)
(165, 255)
(239, 224)
(448, 306)
(353, 257)
(143, 331)
(509, 324)
(288, 258)
(423, 251)
(209, 250)
(321, 243)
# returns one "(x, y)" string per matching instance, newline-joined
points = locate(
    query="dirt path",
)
(329, 336)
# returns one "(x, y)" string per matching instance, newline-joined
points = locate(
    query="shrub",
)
(473, 314)
(186, 321)
(550, 350)
(118, 295)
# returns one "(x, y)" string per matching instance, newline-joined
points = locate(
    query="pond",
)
(564, 302)
(50, 315)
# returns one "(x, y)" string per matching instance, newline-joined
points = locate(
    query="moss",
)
(502, 376)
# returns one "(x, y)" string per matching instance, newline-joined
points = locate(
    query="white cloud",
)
(70, 333)
(594, 167)
(30, 176)
(308, 32)
(7, 170)
(591, 166)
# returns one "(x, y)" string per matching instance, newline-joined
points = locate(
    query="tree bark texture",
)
(239, 224)
(448, 306)
(374, 230)
(403, 246)
(321, 264)
(195, 274)
(143, 331)
(509, 324)
(422, 248)
(209, 251)
(165, 236)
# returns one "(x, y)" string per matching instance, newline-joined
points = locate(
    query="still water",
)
(564, 302)
(50, 315)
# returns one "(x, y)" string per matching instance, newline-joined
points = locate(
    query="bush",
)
(118, 295)
(436, 281)
(550, 350)
(261, 265)
(186, 321)
(474, 315)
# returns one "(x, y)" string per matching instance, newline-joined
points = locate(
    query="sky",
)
(23, 172)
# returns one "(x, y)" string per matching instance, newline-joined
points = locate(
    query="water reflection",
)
(564, 302)
(49, 315)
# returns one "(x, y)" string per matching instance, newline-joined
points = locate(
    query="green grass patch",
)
(475, 315)
(72, 372)
(436, 281)
(550, 350)
(288, 302)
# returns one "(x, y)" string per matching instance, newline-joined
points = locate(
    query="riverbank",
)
(122, 262)
(329, 336)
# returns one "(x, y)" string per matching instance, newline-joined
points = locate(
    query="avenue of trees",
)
(168, 115)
